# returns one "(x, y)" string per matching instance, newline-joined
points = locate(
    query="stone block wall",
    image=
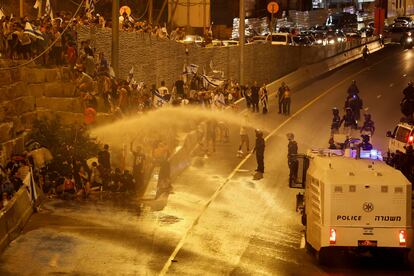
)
(155, 59)
(29, 93)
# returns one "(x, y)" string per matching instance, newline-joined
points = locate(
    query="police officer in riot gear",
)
(349, 121)
(336, 120)
(355, 103)
(409, 91)
(291, 156)
(365, 144)
(353, 89)
(368, 128)
(259, 149)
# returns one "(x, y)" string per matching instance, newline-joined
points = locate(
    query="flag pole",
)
(39, 9)
(21, 9)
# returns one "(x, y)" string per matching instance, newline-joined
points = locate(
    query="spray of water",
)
(164, 119)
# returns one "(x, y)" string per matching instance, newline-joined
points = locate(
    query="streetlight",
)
(115, 37)
(241, 41)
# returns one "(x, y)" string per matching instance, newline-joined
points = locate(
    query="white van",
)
(279, 38)
(353, 201)
(400, 138)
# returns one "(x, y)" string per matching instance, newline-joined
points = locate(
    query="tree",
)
(66, 143)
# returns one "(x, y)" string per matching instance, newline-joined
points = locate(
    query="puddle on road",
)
(168, 219)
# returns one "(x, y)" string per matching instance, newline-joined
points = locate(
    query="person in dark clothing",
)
(259, 150)
(336, 120)
(179, 86)
(255, 97)
(291, 156)
(349, 121)
(115, 184)
(353, 89)
(104, 160)
(355, 103)
(368, 128)
(409, 91)
(365, 144)
(246, 94)
(286, 101)
(138, 167)
(280, 95)
(127, 182)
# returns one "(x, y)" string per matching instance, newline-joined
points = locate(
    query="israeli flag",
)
(28, 29)
(48, 9)
(159, 101)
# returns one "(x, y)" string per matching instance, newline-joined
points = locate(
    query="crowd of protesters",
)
(56, 37)
(11, 178)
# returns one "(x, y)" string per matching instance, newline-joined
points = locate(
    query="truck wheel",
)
(309, 247)
(322, 256)
(401, 257)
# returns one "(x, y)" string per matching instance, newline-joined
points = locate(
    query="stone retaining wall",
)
(156, 59)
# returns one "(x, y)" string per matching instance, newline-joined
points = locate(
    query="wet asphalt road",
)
(250, 228)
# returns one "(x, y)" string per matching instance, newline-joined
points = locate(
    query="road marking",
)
(180, 244)
(302, 242)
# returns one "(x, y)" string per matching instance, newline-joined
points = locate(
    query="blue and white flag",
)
(212, 81)
(159, 100)
(90, 6)
(48, 9)
(28, 29)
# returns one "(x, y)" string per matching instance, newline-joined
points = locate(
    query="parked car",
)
(279, 38)
(230, 43)
(341, 37)
(301, 40)
(396, 34)
(331, 38)
(258, 39)
(192, 39)
(320, 38)
(404, 21)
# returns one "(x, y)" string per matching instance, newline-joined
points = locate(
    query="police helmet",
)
(365, 138)
(335, 110)
(410, 83)
(290, 136)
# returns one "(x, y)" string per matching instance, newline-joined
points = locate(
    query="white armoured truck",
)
(354, 200)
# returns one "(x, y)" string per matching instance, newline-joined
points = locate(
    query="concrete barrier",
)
(309, 72)
(14, 216)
